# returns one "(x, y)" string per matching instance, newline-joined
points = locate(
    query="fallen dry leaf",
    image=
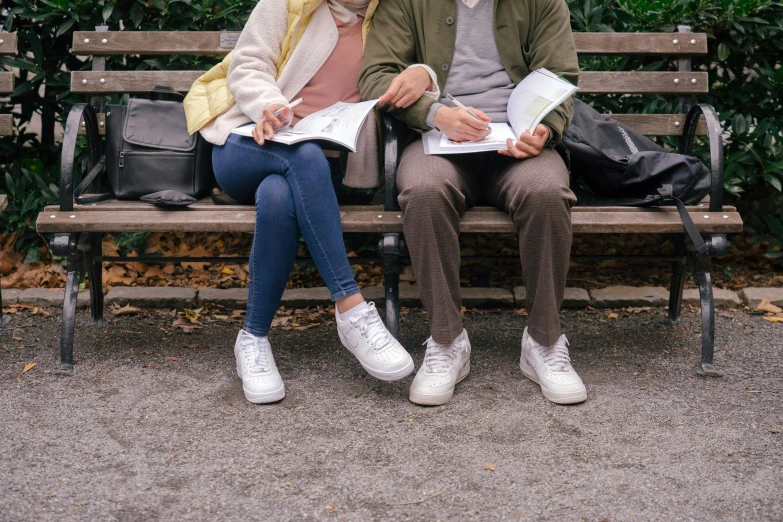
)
(611, 315)
(489, 467)
(521, 312)
(127, 310)
(766, 306)
(196, 346)
(639, 309)
(173, 358)
(27, 367)
(774, 430)
(773, 319)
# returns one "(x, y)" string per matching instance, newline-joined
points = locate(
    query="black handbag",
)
(148, 149)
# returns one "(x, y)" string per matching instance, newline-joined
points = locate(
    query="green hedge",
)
(744, 64)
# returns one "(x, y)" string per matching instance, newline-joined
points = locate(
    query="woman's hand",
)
(270, 123)
(459, 126)
(407, 87)
(529, 145)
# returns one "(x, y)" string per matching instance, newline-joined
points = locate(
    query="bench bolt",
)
(103, 80)
(693, 42)
(84, 82)
(693, 81)
(86, 40)
(676, 81)
(676, 123)
(2, 42)
(675, 41)
(104, 41)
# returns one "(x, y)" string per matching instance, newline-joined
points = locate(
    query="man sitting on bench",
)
(480, 53)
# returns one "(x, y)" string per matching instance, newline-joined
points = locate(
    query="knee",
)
(310, 161)
(545, 194)
(274, 198)
(428, 193)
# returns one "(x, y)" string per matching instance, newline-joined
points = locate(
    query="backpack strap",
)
(690, 227)
(88, 179)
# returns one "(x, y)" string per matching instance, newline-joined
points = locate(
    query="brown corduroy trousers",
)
(435, 191)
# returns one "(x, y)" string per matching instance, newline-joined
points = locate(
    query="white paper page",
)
(534, 98)
(435, 142)
(339, 123)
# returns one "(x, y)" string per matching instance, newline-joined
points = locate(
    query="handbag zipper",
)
(123, 154)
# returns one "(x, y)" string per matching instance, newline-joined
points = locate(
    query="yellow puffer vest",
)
(209, 96)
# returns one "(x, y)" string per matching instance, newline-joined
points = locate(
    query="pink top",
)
(338, 78)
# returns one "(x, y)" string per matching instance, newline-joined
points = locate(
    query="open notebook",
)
(339, 123)
(535, 97)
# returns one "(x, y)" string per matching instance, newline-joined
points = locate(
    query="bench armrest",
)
(70, 138)
(715, 135)
(390, 150)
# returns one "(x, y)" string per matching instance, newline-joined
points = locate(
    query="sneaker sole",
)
(557, 398)
(425, 399)
(389, 376)
(263, 397)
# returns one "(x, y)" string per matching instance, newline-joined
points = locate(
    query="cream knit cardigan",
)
(251, 80)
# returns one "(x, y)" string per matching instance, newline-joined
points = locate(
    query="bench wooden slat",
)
(6, 82)
(215, 42)
(207, 205)
(651, 221)
(610, 82)
(6, 124)
(9, 43)
(647, 124)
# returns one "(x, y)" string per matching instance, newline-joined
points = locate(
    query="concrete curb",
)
(236, 298)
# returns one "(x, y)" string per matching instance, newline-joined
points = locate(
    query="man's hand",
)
(460, 126)
(529, 145)
(270, 123)
(407, 87)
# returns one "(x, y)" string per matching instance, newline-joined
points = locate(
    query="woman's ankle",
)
(348, 302)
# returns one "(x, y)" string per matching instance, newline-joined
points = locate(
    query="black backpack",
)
(622, 167)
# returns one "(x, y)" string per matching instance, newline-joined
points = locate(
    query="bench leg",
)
(73, 280)
(701, 272)
(95, 274)
(391, 249)
(679, 270)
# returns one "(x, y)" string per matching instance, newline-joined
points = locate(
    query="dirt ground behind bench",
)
(153, 426)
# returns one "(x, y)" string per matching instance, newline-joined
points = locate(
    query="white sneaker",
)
(443, 367)
(256, 367)
(550, 367)
(366, 337)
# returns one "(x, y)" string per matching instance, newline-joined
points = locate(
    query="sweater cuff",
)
(431, 114)
(434, 91)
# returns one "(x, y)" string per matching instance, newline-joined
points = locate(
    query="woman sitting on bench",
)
(291, 186)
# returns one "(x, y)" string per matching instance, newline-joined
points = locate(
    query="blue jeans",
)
(292, 190)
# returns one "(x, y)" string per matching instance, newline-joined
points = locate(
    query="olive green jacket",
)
(530, 34)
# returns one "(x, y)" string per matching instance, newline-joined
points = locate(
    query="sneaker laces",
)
(371, 326)
(438, 358)
(256, 354)
(556, 357)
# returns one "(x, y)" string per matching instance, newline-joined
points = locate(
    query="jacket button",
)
(450, 20)
(444, 67)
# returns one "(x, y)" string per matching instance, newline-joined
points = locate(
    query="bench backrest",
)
(684, 83)
(7, 46)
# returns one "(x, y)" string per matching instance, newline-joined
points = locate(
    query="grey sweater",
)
(477, 77)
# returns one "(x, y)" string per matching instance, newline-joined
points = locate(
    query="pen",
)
(291, 105)
(462, 106)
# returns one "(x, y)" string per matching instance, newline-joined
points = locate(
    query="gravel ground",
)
(153, 426)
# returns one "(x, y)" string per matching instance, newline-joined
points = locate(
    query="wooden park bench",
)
(78, 229)
(7, 46)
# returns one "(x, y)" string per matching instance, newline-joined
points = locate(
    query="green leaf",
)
(64, 28)
(775, 182)
(107, 10)
(33, 256)
(136, 14)
(723, 51)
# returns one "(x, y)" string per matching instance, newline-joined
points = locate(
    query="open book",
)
(535, 97)
(339, 124)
